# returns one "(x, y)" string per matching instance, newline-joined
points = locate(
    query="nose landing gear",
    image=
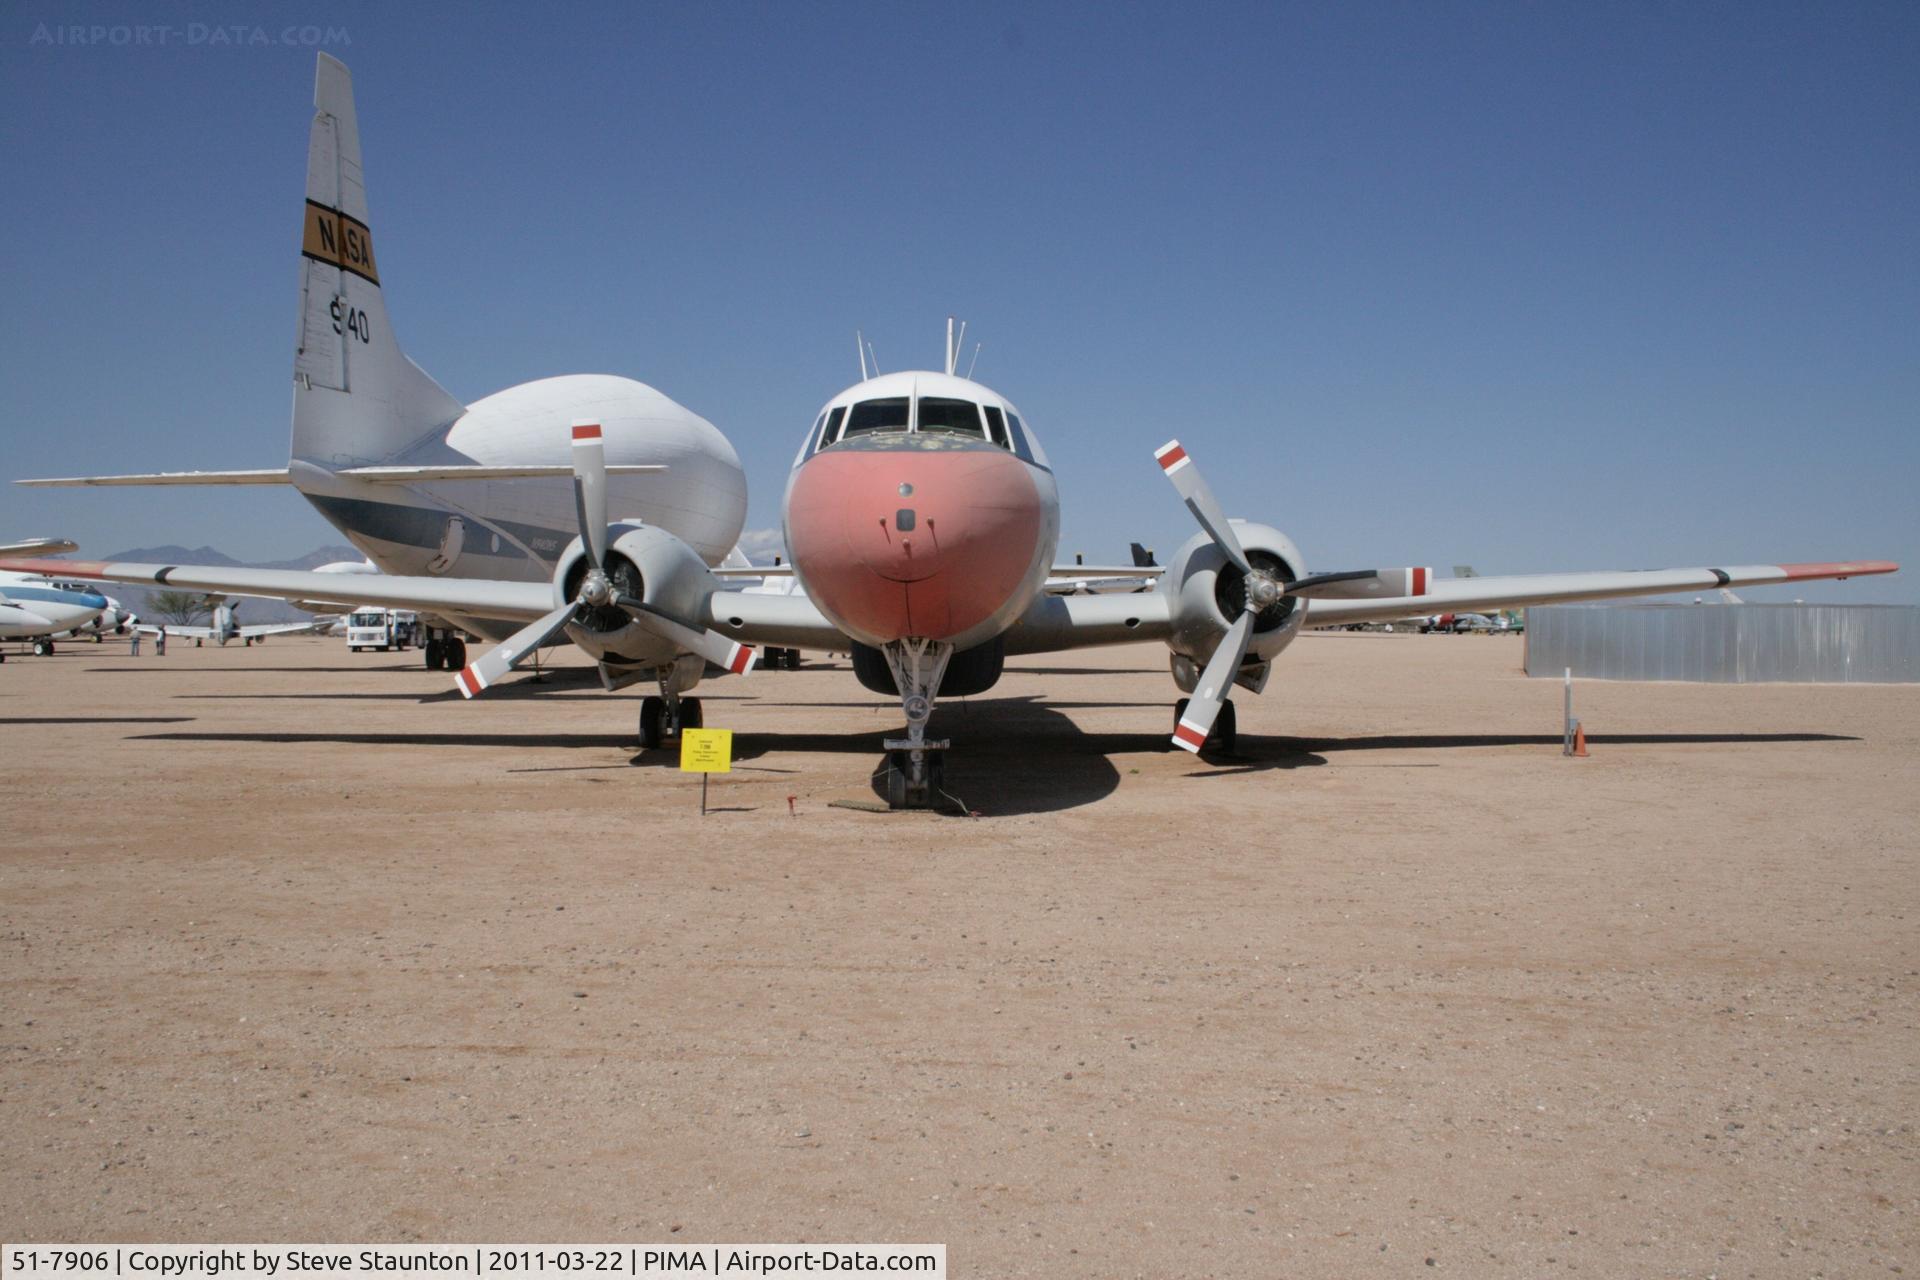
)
(916, 766)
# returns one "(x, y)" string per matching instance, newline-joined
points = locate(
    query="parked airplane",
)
(425, 485)
(921, 514)
(34, 608)
(225, 625)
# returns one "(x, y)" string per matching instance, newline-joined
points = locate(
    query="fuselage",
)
(517, 529)
(34, 606)
(921, 507)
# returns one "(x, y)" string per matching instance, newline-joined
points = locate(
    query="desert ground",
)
(300, 946)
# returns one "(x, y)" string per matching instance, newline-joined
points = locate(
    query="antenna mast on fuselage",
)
(954, 344)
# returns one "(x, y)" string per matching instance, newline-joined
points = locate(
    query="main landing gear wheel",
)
(42, 648)
(454, 654)
(434, 653)
(1225, 737)
(658, 724)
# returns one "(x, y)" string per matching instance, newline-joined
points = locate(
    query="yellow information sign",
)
(706, 751)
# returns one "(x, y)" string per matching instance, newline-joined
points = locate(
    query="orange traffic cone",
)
(1579, 740)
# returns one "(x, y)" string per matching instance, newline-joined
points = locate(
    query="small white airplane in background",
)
(921, 515)
(224, 626)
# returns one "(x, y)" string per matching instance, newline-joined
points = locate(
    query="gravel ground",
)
(300, 946)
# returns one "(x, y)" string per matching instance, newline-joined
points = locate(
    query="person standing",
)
(160, 644)
(136, 642)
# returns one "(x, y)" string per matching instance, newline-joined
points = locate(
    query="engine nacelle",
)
(1209, 593)
(652, 566)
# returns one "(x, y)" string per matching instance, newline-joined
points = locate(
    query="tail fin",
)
(357, 398)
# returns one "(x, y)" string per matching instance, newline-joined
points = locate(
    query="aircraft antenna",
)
(860, 343)
(950, 350)
(875, 359)
(973, 362)
(959, 344)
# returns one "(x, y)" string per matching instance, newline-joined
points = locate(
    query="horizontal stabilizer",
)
(38, 547)
(420, 475)
(1106, 571)
(277, 475)
(750, 571)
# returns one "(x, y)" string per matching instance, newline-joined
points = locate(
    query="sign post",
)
(706, 752)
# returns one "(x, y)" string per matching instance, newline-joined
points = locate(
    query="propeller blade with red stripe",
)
(590, 489)
(502, 658)
(1199, 498)
(1204, 707)
(711, 645)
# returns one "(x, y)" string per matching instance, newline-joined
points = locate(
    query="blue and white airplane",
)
(36, 609)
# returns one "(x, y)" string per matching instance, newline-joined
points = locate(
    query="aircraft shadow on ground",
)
(97, 719)
(1010, 756)
(1426, 741)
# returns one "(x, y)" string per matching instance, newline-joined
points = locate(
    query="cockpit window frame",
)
(1017, 433)
(846, 430)
(996, 425)
(979, 431)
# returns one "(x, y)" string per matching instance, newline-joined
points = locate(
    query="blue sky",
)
(1530, 287)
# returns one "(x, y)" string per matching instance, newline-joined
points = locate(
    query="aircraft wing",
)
(480, 597)
(791, 621)
(257, 630)
(1456, 595)
(373, 475)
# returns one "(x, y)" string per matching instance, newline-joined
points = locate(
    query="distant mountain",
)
(249, 609)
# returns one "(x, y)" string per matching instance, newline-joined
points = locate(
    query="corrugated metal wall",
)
(1727, 643)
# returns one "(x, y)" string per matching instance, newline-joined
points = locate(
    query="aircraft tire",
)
(42, 648)
(1225, 737)
(434, 651)
(455, 654)
(652, 710)
(896, 779)
(691, 714)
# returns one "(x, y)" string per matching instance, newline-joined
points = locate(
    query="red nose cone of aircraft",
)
(928, 539)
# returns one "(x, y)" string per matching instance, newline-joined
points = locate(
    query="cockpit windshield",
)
(938, 413)
(889, 414)
(947, 415)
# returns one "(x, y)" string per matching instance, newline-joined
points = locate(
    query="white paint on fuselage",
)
(517, 529)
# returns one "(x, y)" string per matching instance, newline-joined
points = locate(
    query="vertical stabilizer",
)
(356, 398)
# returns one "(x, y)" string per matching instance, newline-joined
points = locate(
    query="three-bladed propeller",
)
(596, 587)
(1263, 590)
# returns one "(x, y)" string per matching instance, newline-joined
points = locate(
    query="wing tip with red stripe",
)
(1838, 569)
(740, 661)
(469, 682)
